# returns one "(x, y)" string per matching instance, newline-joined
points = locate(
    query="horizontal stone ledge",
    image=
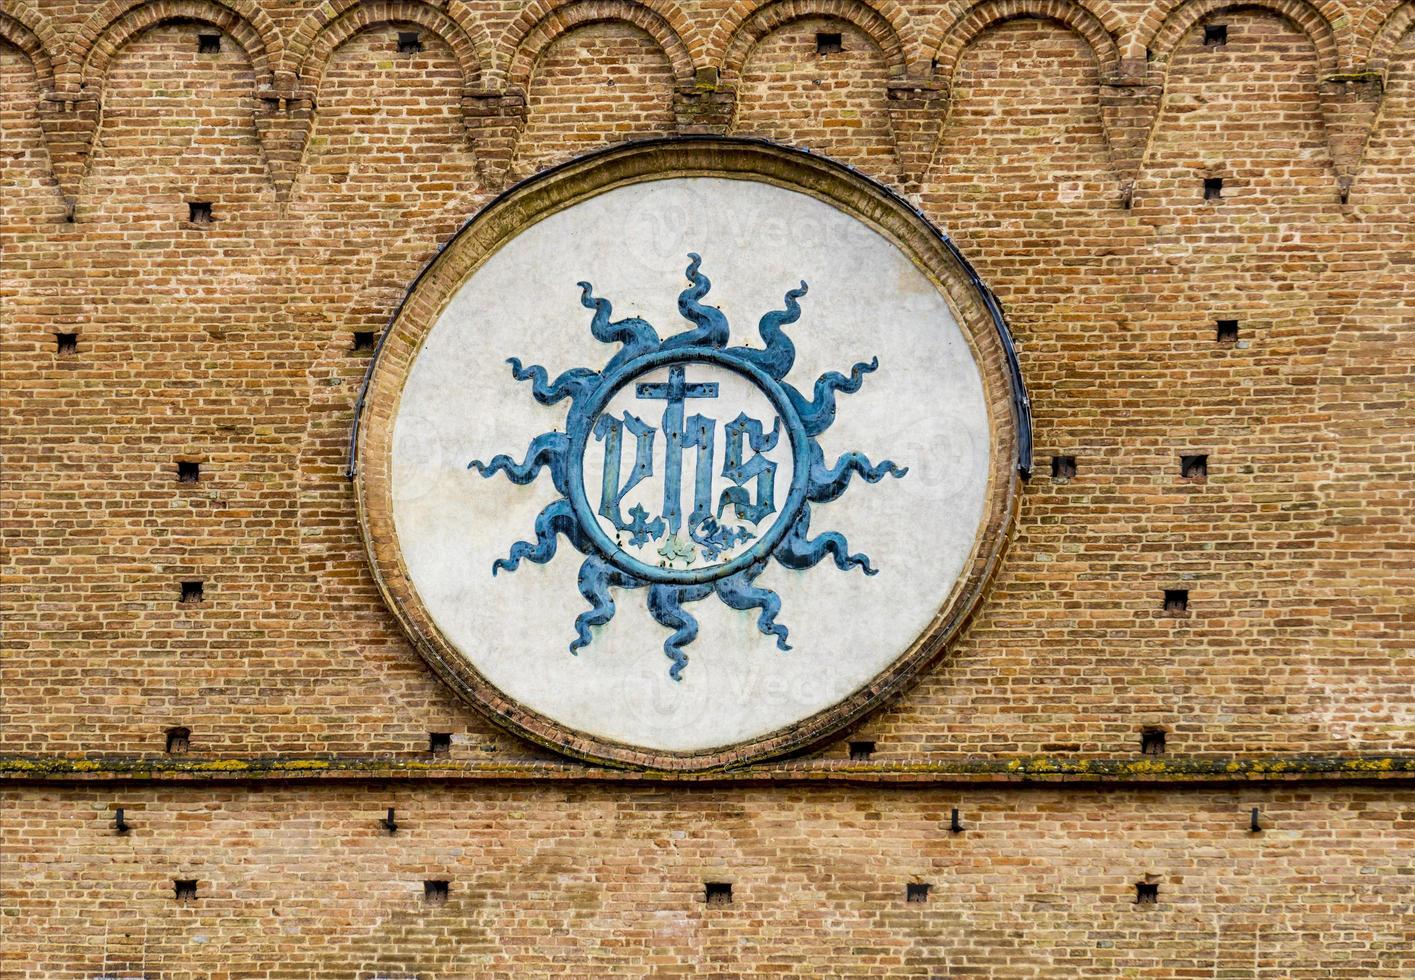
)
(1025, 769)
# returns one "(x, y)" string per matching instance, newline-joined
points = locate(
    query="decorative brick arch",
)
(951, 33)
(119, 21)
(885, 23)
(25, 28)
(322, 32)
(541, 23)
(1180, 16)
(1387, 35)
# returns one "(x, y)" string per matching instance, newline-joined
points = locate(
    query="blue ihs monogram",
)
(695, 435)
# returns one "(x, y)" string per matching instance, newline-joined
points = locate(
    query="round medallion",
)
(689, 453)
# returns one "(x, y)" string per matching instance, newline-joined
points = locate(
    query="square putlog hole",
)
(1176, 601)
(439, 743)
(717, 892)
(829, 43)
(179, 740)
(1215, 35)
(916, 891)
(409, 42)
(193, 591)
(1213, 188)
(1063, 467)
(199, 212)
(861, 751)
(188, 471)
(435, 892)
(364, 340)
(1147, 893)
(66, 344)
(186, 890)
(1152, 742)
(208, 44)
(1195, 467)
(1226, 331)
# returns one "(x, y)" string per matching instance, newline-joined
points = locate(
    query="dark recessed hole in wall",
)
(1063, 467)
(439, 743)
(409, 42)
(199, 212)
(1213, 188)
(1147, 893)
(861, 751)
(718, 892)
(916, 891)
(827, 43)
(188, 471)
(179, 740)
(66, 344)
(208, 44)
(193, 591)
(435, 892)
(1152, 742)
(1176, 601)
(186, 889)
(1195, 467)
(1226, 332)
(364, 340)
(1215, 35)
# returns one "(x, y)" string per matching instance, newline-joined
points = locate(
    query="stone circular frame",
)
(973, 314)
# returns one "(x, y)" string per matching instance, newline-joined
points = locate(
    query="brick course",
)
(336, 166)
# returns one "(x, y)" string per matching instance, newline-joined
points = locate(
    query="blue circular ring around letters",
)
(581, 423)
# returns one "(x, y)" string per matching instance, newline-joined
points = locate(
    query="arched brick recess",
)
(837, 105)
(1387, 37)
(1311, 20)
(27, 30)
(746, 23)
(116, 22)
(371, 166)
(541, 23)
(628, 91)
(944, 44)
(317, 37)
(30, 201)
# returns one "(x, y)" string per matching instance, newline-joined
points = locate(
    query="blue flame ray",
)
(828, 483)
(573, 384)
(546, 449)
(596, 577)
(818, 414)
(666, 607)
(712, 330)
(799, 551)
(780, 352)
(557, 518)
(638, 336)
(740, 592)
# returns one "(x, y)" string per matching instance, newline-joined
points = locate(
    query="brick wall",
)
(336, 164)
(593, 881)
